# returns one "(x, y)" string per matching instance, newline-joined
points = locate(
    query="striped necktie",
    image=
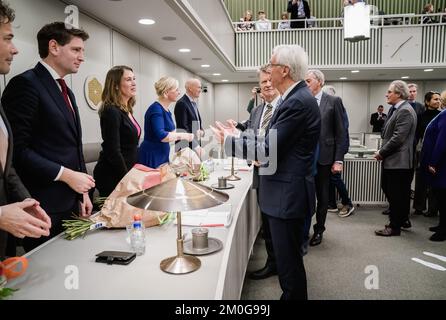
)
(267, 116)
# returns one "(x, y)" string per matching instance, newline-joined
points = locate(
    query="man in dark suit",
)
(299, 9)
(19, 215)
(377, 119)
(287, 187)
(258, 122)
(47, 133)
(396, 155)
(187, 115)
(331, 147)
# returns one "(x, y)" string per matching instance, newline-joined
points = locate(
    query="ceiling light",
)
(146, 21)
(224, 80)
(184, 50)
(169, 38)
(205, 66)
(405, 77)
(197, 59)
(355, 71)
(343, 78)
(428, 70)
(216, 74)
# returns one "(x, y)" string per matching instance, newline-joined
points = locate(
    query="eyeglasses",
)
(270, 65)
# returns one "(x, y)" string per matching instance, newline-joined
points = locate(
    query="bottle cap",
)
(137, 217)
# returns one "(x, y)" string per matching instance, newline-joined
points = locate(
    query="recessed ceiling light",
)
(355, 71)
(205, 66)
(405, 77)
(216, 74)
(428, 70)
(184, 50)
(197, 59)
(146, 21)
(343, 78)
(169, 38)
(224, 80)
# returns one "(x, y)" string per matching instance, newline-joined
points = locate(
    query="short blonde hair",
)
(165, 84)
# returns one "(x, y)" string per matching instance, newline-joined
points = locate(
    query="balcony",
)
(396, 41)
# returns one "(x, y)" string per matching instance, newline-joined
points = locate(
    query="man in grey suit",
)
(396, 155)
(331, 147)
(258, 122)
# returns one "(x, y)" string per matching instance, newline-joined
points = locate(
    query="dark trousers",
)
(423, 192)
(56, 228)
(395, 184)
(440, 195)
(336, 183)
(287, 235)
(322, 186)
(270, 260)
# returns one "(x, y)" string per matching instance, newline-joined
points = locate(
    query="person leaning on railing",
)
(246, 22)
(285, 23)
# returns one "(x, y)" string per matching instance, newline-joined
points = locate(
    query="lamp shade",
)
(177, 195)
(357, 22)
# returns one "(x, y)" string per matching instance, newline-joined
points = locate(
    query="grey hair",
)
(318, 75)
(329, 90)
(294, 57)
(265, 68)
(413, 85)
(190, 81)
(400, 87)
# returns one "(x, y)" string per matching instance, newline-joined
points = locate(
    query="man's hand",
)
(432, 169)
(336, 167)
(86, 207)
(231, 122)
(16, 220)
(254, 92)
(221, 131)
(199, 133)
(378, 156)
(78, 181)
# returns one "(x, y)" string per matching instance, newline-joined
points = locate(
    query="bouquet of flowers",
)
(9, 269)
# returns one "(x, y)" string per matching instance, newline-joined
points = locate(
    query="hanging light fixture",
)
(356, 22)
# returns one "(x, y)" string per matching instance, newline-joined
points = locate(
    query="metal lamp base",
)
(233, 177)
(180, 264)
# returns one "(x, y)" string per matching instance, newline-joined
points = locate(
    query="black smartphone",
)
(115, 257)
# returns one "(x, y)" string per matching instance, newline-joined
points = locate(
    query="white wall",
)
(104, 49)
(360, 99)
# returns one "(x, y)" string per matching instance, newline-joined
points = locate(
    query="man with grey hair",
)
(287, 195)
(331, 149)
(187, 115)
(397, 158)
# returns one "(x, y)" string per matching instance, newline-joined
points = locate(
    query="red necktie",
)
(65, 94)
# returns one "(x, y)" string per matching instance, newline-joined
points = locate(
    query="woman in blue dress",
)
(159, 128)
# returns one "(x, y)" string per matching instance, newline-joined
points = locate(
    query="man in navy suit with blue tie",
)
(187, 115)
(287, 194)
(46, 126)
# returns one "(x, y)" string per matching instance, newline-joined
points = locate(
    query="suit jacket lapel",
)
(54, 91)
(10, 146)
(300, 85)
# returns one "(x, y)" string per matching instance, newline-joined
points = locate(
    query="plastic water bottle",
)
(138, 236)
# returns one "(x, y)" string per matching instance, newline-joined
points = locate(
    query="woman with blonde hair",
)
(120, 131)
(159, 128)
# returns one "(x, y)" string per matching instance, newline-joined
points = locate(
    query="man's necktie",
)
(3, 148)
(64, 87)
(391, 110)
(267, 116)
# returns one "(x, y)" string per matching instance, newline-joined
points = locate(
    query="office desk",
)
(54, 265)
